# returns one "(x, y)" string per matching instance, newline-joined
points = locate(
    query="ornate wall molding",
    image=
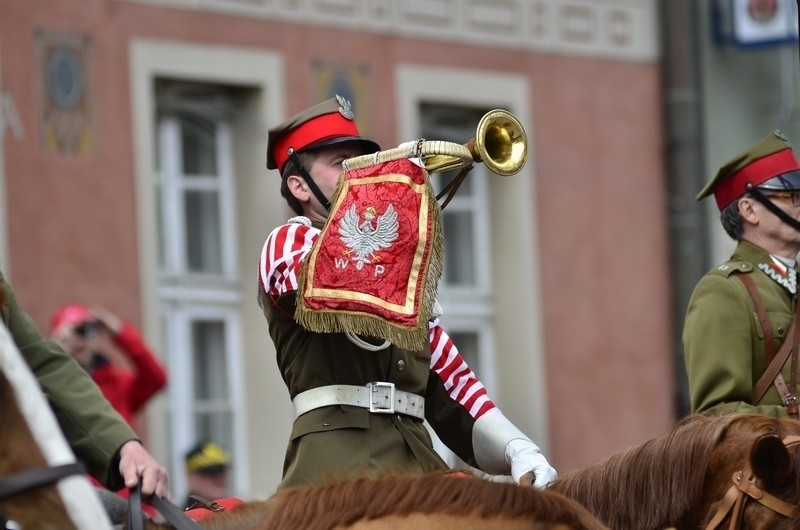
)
(616, 29)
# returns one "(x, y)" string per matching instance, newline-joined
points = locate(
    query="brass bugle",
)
(500, 143)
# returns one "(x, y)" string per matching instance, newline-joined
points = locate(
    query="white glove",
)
(501, 448)
(525, 457)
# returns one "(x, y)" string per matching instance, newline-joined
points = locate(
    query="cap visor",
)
(368, 146)
(212, 470)
(787, 181)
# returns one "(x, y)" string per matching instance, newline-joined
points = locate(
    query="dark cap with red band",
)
(769, 164)
(326, 123)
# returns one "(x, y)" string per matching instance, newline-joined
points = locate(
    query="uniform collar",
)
(746, 251)
(781, 274)
(786, 262)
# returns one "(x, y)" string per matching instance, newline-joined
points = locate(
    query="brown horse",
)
(41, 486)
(408, 502)
(16, 454)
(737, 471)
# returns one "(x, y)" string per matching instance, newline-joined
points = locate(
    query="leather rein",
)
(746, 487)
(29, 479)
(171, 513)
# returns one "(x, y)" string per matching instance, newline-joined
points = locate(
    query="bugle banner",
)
(375, 268)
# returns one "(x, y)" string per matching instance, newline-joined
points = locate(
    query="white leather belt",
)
(379, 397)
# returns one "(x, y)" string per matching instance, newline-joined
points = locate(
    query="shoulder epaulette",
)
(730, 267)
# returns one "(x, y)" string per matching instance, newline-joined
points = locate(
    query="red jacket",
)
(128, 391)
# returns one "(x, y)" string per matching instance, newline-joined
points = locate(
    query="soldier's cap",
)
(207, 458)
(768, 165)
(326, 123)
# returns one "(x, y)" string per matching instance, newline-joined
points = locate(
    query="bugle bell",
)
(504, 148)
(500, 143)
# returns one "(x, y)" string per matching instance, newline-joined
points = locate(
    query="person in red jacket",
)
(114, 354)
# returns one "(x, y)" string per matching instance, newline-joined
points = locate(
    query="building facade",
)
(132, 175)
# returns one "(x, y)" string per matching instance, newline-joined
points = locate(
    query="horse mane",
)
(655, 484)
(346, 503)
(637, 481)
(660, 483)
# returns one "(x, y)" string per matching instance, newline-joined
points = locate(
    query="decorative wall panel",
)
(617, 29)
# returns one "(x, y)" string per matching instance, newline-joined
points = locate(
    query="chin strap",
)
(769, 205)
(310, 181)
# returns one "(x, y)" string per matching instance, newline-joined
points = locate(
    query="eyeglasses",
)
(793, 195)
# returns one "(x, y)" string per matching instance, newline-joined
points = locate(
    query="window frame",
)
(178, 319)
(518, 357)
(258, 75)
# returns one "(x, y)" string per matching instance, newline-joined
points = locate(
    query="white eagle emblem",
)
(362, 238)
(345, 109)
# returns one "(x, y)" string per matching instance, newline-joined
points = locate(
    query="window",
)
(465, 287)
(212, 412)
(496, 298)
(198, 286)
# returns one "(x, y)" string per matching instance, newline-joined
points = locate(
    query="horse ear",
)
(770, 460)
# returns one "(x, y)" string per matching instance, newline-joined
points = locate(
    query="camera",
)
(87, 329)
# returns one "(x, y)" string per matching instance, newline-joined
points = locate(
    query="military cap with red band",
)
(326, 123)
(770, 164)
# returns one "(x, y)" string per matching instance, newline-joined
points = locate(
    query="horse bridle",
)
(745, 487)
(30, 479)
(36, 478)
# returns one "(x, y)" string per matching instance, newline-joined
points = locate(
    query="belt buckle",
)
(377, 390)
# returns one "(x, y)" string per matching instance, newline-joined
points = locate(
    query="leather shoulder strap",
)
(776, 361)
(769, 337)
(774, 368)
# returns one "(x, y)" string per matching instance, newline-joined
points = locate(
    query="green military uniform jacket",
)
(344, 442)
(723, 340)
(94, 430)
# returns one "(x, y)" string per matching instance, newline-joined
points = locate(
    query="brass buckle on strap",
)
(791, 404)
(381, 397)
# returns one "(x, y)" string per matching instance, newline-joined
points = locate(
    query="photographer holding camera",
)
(113, 353)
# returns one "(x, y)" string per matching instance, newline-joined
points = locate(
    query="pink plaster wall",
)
(604, 248)
(601, 206)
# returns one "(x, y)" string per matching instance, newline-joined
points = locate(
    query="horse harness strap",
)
(378, 397)
(35, 478)
(744, 483)
(171, 513)
(772, 375)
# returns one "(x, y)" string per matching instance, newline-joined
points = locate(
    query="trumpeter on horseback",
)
(361, 398)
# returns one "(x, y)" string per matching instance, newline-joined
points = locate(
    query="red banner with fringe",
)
(375, 268)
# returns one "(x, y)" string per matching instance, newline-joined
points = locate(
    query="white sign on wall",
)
(749, 23)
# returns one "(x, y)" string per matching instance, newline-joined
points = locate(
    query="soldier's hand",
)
(135, 463)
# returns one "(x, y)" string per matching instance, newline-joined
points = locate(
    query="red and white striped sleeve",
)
(282, 255)
(458, 378)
